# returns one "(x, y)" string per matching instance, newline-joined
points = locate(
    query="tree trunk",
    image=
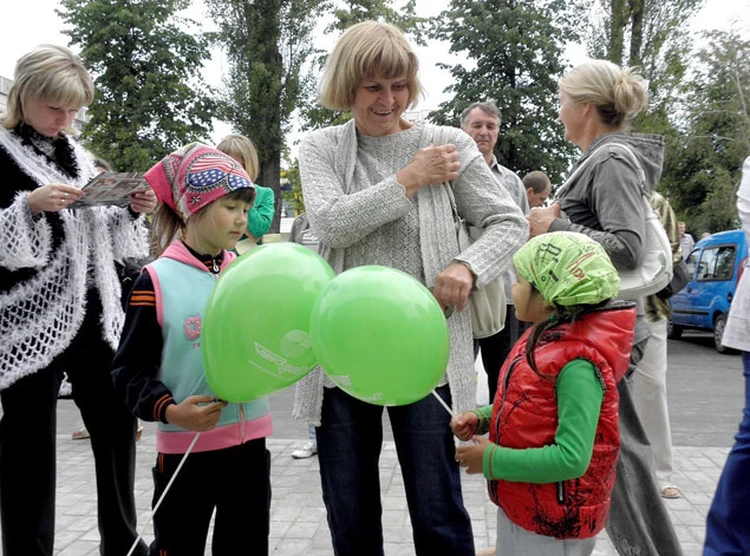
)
(636, 32)
(617, 34)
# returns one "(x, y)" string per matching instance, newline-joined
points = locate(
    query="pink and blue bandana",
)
(196, 175)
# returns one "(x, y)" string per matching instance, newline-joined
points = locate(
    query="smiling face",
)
(484, 129)
(217, 227)
(47, 118)
(378, 105)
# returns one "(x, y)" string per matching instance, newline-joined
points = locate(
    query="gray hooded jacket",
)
(605, 202)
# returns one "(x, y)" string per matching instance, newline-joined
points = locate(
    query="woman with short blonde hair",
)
(50, 72)
(60, 308)
(368, 49)
(375, 193)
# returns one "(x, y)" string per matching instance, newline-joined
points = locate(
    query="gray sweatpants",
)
(513, 540)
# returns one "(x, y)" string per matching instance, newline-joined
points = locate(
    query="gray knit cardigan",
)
(340, 218)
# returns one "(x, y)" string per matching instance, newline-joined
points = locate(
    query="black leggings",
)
(28, 431)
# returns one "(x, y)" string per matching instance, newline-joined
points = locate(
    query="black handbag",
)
(128, 271)
(680, 279)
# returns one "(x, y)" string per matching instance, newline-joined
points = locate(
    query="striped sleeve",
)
(136, 363)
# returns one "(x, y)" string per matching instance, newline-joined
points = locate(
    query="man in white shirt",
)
(481, 121)
(686, 241)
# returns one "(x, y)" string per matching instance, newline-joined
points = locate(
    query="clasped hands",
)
(470, 456)
(540, 219)
(430, 166)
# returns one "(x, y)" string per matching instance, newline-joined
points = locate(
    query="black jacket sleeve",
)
(137, 361)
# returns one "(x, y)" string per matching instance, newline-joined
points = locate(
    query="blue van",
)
(715, 266)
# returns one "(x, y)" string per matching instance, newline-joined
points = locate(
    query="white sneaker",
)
(307, 450)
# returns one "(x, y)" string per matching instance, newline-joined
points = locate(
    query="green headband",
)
(568, 269)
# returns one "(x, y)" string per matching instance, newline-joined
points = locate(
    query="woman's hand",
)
(196, 413)
(143, 201)
(453, 286)
(52, 197)
(471, 456)
(464, 425)
(431, 165)
(540, 219)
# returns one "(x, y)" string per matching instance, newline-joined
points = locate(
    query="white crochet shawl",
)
(40, 317)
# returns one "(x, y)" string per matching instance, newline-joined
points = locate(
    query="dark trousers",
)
(638, 521)
(28, 448)
(234, 481)
(728, 522)
(349, 442)
(495, 349)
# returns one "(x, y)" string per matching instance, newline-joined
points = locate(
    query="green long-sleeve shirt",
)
(261, 214)
(579, 400)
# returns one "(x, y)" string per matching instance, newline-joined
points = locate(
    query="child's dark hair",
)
(167, 223)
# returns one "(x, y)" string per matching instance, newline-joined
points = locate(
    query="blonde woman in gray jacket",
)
(373, 193)
(597, 103)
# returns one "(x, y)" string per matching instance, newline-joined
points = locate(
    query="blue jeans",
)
(350, 439)
(728, 521)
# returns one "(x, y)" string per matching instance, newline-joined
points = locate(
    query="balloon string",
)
(166, 490)
(442, 402)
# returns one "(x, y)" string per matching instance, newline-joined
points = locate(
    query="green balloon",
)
(380, 335)
(256, 337)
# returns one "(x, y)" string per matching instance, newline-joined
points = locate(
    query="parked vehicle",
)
(715, 266)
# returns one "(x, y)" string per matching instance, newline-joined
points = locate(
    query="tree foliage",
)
(267, 43)
(515, 48)
(652, 35)
(146, 70)
(708, 162)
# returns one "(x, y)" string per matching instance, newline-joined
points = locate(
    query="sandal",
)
(671, 492)
(80, 434)
(139, 431)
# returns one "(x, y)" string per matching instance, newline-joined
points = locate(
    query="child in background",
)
(553, 438)
(261, 214)
(204, 196)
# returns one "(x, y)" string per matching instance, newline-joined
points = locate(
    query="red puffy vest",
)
(525, 416)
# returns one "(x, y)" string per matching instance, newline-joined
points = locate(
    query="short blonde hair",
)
(50, 73)
(243, 151)
(368, 49)
(618, 95)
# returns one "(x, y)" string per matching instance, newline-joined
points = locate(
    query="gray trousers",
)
(513, 540)
(638, 524)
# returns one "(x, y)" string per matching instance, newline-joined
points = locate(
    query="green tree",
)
(267, 43)
(707, 165)
(146, 70)
(515, 53)
(652, 35)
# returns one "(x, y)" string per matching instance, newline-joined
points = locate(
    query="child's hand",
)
(463, 425)
(196, 413)
(471, 456)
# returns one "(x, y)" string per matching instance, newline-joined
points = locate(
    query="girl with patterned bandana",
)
(205, 196)
(553, 439)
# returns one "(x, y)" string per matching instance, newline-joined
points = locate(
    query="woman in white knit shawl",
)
(374, 195)
(59, 308)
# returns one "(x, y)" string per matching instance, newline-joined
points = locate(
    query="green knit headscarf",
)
(568, 269)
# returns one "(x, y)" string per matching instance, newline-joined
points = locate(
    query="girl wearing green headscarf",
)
(553, 439)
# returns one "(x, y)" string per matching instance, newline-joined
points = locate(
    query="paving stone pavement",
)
(298, 521)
